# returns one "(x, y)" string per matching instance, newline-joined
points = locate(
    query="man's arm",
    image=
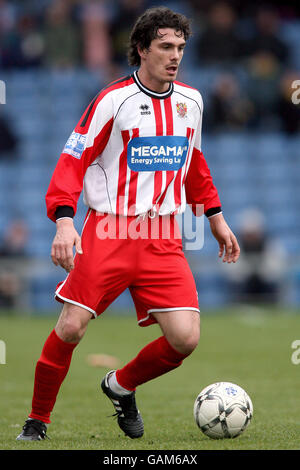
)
(81, 149)
(62, 247)
(228, 244)
(85, 144)
(199, 186)
(200, 189)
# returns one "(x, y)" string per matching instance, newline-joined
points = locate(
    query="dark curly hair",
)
(147, 26)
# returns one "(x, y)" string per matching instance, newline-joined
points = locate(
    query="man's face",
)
(162, 59)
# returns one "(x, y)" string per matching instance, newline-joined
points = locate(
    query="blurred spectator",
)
(263, 77)
(96, 43)
(7, 16)
(258, 275)
(229, 107)
(8, 139)
(265, 38)
(289, 112)
(219, 43)
(7, 35)
(31, 41)
(9, 289)
(12, 249)
(127, 13)
(14, 239)
(21, 41)
(62, 36)
(10, 49)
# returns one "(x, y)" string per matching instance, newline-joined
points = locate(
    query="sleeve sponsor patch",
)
(75, 145)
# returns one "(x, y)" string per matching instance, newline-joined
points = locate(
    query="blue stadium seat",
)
(123, 302)
(271, 146)
(31, 126)
(275, 173)
(290, 33)
(234, 147)
(212, 289)
(62, 81)
(31, 199)
(290, 241)
(26, 103)
(280, 220)
(8, 173)
(38, 247)
(35, 150)
(34, 175)
(69, 109)
(42, 290)
(63, 128)
(292, 148)
(4, 219)
(277, 195)
(200, 77)
(238, 197)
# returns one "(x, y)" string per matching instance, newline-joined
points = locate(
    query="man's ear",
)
(142, 52)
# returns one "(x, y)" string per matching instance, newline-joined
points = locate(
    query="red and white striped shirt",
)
(133, 151)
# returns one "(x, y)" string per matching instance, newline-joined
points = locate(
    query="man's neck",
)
(152, 83)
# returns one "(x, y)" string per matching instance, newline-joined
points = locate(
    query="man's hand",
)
(62, 247)
(227, 241)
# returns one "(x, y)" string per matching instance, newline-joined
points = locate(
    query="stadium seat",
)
(281, 220)
(38, 247)
(202, 78)
(30, 126)
(212, 289)
(290, 33)
(234, 147)
(276, 195)
(270, 146)
(290, 241)
(42, 290)
(238, 197)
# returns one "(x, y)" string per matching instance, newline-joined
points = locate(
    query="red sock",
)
(155, 359)
(51, 369)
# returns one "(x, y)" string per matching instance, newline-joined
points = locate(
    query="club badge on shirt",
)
(181, 109)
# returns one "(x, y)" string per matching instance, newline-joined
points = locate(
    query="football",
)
(223, 410)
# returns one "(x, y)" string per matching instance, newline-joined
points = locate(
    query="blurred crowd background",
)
(244, 57)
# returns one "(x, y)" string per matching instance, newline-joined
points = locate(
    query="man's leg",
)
(55, 359)
(181, 333)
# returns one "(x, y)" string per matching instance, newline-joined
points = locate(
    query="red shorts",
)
(130, 252)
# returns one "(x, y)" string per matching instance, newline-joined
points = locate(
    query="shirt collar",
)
(151, 93)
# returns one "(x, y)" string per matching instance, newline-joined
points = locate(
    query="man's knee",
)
(184, 338)
(186, 341)
(72, 323)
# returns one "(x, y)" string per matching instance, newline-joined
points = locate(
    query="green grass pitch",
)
(252, 349)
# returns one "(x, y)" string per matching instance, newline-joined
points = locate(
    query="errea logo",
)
(144, 109)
